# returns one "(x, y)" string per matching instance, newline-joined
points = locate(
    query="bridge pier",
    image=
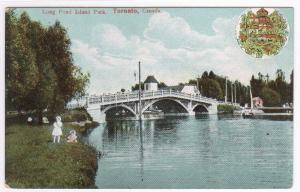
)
(190, 108)
(213, 109)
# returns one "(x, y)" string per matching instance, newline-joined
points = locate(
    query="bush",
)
(75, 115)
(226, 108)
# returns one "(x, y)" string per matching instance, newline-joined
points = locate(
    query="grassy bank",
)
(33, 161)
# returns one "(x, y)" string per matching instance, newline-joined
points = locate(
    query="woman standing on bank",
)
(57, 132)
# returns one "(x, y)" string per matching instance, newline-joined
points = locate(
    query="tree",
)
(40, 73)
(270, 97)
(211, 88)
(204, 75)
(292, 87)
(192, 82)
(161, 85)
(21, 66)
(256, 85)
(280, 75)
(71, 81)
(211, 75)
(136, 87)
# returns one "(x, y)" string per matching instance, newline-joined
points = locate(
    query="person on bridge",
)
(57, 132)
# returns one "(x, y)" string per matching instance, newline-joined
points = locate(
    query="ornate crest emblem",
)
(262, 33)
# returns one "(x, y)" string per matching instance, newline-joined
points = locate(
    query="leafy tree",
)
(270, 97)
(256, 85)
(71, 82)
(161, 85)
(193, 82)
(291, 92)
(21, 67)
(40, 73)
(211, 75)
(204, 75)
(211, 88)
(136, 87)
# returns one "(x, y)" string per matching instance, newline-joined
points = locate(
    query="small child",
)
(57, 132)
(72, 138)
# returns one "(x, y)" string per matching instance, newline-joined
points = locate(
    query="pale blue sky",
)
(175, 45)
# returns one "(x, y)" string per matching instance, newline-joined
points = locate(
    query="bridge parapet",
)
(133, 96)
(108, 99)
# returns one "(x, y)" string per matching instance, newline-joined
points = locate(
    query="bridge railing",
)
(133, 96)
(145, 94)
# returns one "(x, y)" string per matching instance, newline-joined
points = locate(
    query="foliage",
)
(226, 108)
(213, 85)
(211, 88)
(279, 88)
(40, 73)
(270, 97)
(75, 116)
(136, 86)
(33, 161)
(161, 85)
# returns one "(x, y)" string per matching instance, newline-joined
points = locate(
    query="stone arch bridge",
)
(98, 106)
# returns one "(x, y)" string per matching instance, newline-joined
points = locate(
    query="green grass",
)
(33, 161)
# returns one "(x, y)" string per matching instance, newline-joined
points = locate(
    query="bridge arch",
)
(200, 105)
(169, 99)
(119, 106)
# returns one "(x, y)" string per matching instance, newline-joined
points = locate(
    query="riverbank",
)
(33, 161)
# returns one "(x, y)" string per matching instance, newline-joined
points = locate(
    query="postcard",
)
(149, 97)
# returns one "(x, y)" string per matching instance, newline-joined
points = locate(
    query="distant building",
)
(189, 89)
(151, 84)
(257, 102)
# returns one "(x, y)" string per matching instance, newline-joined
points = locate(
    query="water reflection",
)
(141, 149)
(205, 151)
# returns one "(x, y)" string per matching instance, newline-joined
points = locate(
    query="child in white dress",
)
(57, 132)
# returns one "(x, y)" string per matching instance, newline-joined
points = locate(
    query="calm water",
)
(195, 152)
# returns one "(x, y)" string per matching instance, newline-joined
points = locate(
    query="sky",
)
(174, 44)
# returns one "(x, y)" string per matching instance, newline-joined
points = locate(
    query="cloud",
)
(176, 32)
(170, 49)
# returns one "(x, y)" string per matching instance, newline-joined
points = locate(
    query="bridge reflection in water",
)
(194, 152)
